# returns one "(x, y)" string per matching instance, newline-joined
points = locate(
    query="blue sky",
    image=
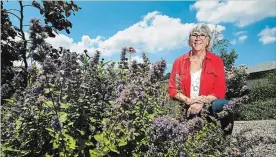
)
(161, 28)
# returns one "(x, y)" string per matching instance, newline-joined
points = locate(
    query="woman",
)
(198, 77)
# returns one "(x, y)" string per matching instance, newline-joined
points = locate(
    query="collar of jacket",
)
(208, 55)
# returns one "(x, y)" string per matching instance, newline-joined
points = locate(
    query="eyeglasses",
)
(201, 36)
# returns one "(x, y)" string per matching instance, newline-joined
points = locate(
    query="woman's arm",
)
(181, 97)
(185, 99)
(219, 88)
(172, 89)
(207, 99)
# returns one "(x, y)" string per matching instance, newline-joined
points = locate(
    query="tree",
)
(220, 47)
(8, 52)
(55, 14)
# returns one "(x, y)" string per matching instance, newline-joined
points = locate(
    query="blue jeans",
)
(217, 105)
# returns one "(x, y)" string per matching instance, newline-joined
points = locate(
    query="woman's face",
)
(199, 41)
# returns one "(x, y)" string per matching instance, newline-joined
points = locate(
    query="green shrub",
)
(264, 89)
(259, 110)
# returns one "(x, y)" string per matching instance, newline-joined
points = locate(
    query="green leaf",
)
(63, 116)
(80, 100)
(32, 129)
(18, 124)
(65, 97)
(92, 119)
(136, 134)
(114, 149)
(49, 129)
(4, 148)
(100, 138)
(62, 154)
(9, 100)
(47, 155)
(47, 90)
(81, 132)
(70, 124)
(65, 105)
(84, 86)
(51, 132)
(72, 143)
(48, 104)
(151, 116)
(105, 149)
(95, 153)
(55, 144)
(122, 142)
(111, 102)
(89, 144)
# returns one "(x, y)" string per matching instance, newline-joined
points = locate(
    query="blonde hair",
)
(202, 28)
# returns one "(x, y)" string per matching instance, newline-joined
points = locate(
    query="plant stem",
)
(14, 15)
(13, 10)
(23, 35)
(27, 5)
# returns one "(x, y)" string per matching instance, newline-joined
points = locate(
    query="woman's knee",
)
(217, 105)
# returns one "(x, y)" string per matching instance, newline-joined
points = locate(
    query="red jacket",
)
(212, 81)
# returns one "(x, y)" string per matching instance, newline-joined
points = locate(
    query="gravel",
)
(255, 138)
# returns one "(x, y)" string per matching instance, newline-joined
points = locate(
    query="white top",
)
(195, 83)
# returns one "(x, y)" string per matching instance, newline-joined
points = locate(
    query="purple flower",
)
(157, 70)
(56, 124)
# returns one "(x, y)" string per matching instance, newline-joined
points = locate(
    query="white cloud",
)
(154, 33)
(242, 38)
(268, 35)
(242, 13)
(86, 43)
(240, 33)
(233, 42)
(137, 58)
(238, 38)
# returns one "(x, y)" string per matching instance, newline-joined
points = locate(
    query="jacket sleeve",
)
(219, 89)
(172, 89)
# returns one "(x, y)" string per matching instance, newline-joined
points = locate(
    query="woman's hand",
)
(204, 99)
(194, 108)
(190, 101)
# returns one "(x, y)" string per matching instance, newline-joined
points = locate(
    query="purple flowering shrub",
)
(237, 91)
(137, 102)
(199, 136)
(81, 106)
(77, 105)
(168, 135)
